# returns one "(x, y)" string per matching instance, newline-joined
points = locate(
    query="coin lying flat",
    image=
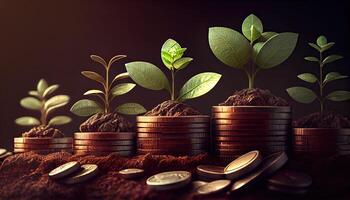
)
(64, 170)
(169, 180)
(5, 155)
(243, 165)
(213, 187)
(2, 151)
(211, 171)
(197, 184)
(289, 178)
(131, 173)
(87, 172)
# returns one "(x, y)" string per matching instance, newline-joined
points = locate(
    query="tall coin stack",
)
(239, 129)
(42, 145)
(180, 135)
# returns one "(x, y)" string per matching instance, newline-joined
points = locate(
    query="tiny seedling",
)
(151, 77)
(109, 92)
(40, 101)
(305, 95)
(252, 51)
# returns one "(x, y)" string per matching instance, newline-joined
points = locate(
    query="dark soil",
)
(172, 108)
(254, 97)
(43, 131)
(110, 122)
(327, 120)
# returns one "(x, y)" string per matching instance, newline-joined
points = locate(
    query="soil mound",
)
(327, 120)
(172, 108)
(110, 122)
(43, 131)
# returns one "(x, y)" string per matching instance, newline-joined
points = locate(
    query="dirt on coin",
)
(325, 120)
(110, 122)
(254, 97)
(43, 131)
(172, 108)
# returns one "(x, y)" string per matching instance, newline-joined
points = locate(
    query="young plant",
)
(151, 77)
(40, 101)
(254, 50)
(108, 93)
(305, 95)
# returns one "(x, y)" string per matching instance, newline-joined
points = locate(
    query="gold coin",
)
(213, 187)
(169, 180)
(64, 170)
(131, 173)
(87, 172)
(2, 151)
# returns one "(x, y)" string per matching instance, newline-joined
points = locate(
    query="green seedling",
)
(151, 77)
(39, 101)
(254, 50)
(305, 95)
(109, 92)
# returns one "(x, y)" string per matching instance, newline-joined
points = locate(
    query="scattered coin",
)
(64, 170)
(169, 180)
(197, 184)
(2, 151)
(5, 155)
(211, 171)
(87, 172)
(289, 178)
(131, 173)
(213, 187)
(243, 165)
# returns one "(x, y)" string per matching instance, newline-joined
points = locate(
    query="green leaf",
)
(98, 59)
(167, 59)
(198, 85)
(171, 47)
(256, 48)
(321, 41)
(94, 76)
(115, 58)
(265, 36)
(34, 93)
(340, 95)
(147, 75)
(41, 86)
(50, 90)
(331, 58)
(308, 77)
(121, 76)
(302, 94)
(229, 46)
(311, 58)
(31, 103)
(327, 46)
(130, 109)
(332, 76)
(315, 46)
(182, 62)
(179, 53)
(276, 50)
(60, 120)
(56, 100)
(122, 88)
(93, 92)
(27, 121)
(252, 27)
(86, 107)
(53, 108)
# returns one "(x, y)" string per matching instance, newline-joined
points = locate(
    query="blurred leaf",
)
(276, 50)
(31, 103)
(59, 120)
(331, 58)
(321, 41)
(147, 75)
(315, 46)
(41, 86)
(252, 27)
(27, 121)
(311, 58)
(34, 93)
(121, 76)
(265, 36)
(56, 100)
(122, 88)
(182, 62)
(115, 58)
(199, 85)
(130, 109)
(167, 59)
(340, 95)
(93, 92)
(94, 76)
(86, 107)
(327, 46)
(50, 90)
(229, 46)
(302, 94)
(98, 59)
(308, 77)
(332, 76)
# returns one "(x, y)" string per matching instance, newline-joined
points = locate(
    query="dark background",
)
(53, 39)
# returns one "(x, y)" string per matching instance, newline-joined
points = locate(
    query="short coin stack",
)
(180, 135)
(239, 129)
(104, 143)
(42, 145)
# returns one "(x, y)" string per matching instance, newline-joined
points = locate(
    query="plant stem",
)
(321, 83)
(172, 85)
(251, 70)
(43, 112)
(107, 91)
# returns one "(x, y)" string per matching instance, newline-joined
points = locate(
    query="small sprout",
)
(305, 95)
(41, 102)
(109, 91)
(151, 77)
(252, 51)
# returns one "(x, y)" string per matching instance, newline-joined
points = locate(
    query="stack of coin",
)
(104, 143)
(181, 135)
(323, 142)
(239, 129)
(42, 145)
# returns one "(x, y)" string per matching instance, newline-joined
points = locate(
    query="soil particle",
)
(110, 122)
(327, 120)
(254, 97)
(43, 131)
(172, 108)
